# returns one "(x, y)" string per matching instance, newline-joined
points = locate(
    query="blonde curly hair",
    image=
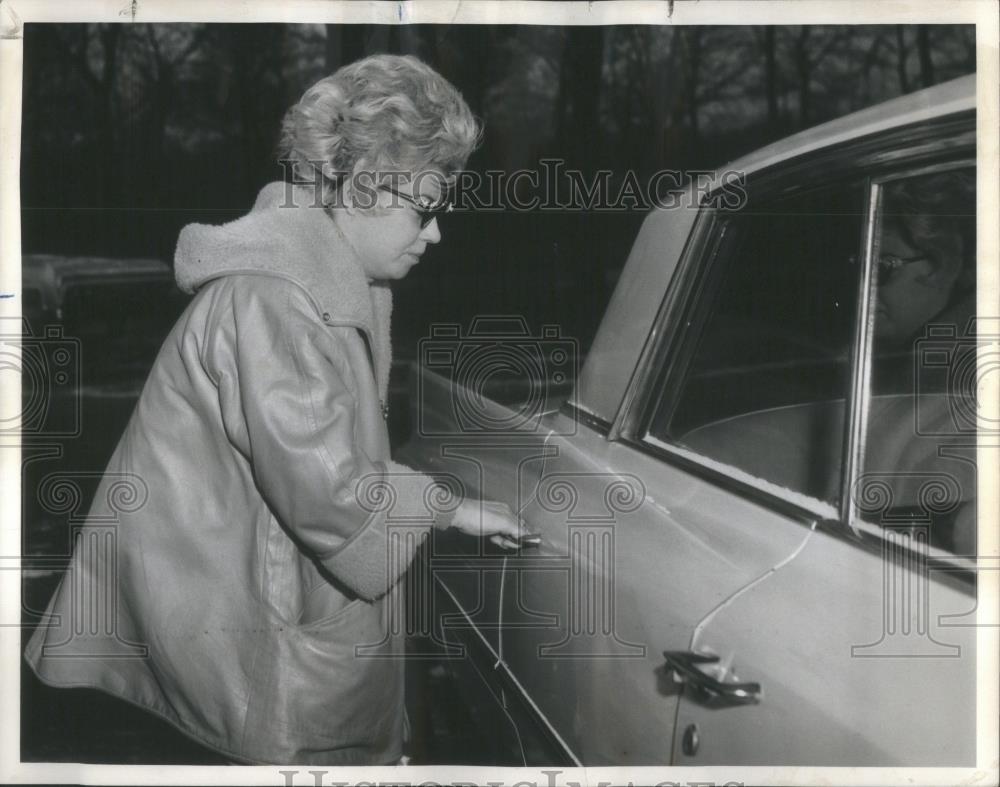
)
(385, 113)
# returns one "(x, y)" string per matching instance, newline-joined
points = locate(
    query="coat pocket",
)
(318, 696)
(294, 588)
(323, 602)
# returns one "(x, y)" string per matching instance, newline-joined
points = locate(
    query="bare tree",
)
(902, 52)
(924, 54)
(578, 101)
(168, 49)
(869, 60)
(100, 77)
(691, 44)
(770, 47)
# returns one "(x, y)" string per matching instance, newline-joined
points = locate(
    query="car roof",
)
(53, 274)
(632, 310)
(947, 98)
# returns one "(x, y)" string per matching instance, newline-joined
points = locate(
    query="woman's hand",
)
(489, 518)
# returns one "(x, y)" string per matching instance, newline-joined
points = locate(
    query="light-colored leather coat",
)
(233, 571)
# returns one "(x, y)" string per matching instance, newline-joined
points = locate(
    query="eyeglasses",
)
(428, 209)
(887, 264)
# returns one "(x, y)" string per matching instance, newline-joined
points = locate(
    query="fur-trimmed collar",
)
(287, 235)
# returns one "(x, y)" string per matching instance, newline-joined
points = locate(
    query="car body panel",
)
(52, 276)
(650, 547)
(858, 678)
(620, 576)
(577, 612)
(947, 98)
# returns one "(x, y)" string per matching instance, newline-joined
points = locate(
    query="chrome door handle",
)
(684, 664)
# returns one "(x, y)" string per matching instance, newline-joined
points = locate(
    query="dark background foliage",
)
(131, 131)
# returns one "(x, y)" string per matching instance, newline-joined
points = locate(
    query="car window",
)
(922, 407)
(759, 379)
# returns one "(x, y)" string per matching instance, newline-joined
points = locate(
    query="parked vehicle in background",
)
(757, 508)
(91, 328)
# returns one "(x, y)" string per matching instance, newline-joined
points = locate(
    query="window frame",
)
(941, 144)
(860, 410)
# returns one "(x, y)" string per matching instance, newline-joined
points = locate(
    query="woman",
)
(924, 310)
(240, 590)
(927, 257)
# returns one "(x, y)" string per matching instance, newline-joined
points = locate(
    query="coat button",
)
(326, 316)
(691, 740)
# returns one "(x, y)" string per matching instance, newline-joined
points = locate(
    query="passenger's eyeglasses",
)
(887, 264)
(428, 209)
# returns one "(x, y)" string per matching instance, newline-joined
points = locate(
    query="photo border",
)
(13, 17)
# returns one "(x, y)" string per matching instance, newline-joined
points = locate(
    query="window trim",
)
(635, 402)
(696, 270)
(947, 143)
(859, 387)
(858, 415)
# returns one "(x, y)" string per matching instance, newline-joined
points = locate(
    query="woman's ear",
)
(345, 196)
(944, 273)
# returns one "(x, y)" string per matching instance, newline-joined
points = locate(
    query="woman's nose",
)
(431, 233)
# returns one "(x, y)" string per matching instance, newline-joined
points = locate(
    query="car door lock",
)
(691, 740)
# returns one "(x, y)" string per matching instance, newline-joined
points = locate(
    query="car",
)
(757, 504)
(90, 330)
(118, 308)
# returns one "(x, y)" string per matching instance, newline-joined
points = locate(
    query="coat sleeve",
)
(288, 400)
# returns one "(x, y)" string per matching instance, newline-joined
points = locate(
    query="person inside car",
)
(926, 266)
(925, 305)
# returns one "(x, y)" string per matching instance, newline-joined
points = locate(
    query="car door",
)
(643, 541)
(633, 553)
(862, 642)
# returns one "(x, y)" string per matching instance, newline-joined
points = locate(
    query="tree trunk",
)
(410, 42)
(771, 77)
(334, 53)
(108, 34)
(924, 51)
(692, 40)
(871, 57)
(901, 53)
(356, 41)
(578, 102)
(803, 67)
(661, 89)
